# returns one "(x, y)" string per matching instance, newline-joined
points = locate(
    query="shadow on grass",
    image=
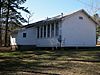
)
(17, 65)
(42, 61)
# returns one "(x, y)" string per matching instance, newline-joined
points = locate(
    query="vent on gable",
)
(80, 17)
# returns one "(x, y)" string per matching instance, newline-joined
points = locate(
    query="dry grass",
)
(50, 62)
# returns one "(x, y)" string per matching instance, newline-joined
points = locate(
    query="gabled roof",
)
(43, 22)
(58, 18)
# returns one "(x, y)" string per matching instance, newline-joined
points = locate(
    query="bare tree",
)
(29, 17)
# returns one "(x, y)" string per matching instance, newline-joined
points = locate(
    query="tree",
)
(97, 19)
(12, 7)
(29, 16)
(0, 24)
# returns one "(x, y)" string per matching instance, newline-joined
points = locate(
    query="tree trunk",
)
(6, 27)
(0, 27)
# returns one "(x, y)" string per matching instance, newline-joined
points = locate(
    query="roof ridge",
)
(60, 17)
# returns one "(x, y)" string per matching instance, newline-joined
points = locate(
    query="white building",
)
(74, 30)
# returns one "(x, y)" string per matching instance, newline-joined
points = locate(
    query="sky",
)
(41, 9)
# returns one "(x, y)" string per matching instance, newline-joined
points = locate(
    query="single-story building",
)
(77, 29)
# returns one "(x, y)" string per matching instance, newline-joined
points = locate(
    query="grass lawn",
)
(50, 62)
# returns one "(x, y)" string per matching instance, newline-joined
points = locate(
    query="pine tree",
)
(11, 15)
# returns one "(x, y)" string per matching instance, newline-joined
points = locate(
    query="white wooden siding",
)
(30, 37)
(74, 31)
(78, 32)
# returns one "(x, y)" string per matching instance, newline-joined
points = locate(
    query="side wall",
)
(51, 41)
(28, 42)
(47, 42)
(30, 38)
(78, 32)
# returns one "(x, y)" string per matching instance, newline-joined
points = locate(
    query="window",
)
(52, 30)
(37, 32)
(24, 35)
(80, 17)
(44, 31)
(41, 32)
(48, 31)
(56, 29)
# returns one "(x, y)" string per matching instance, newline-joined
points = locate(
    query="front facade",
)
(75, 30)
